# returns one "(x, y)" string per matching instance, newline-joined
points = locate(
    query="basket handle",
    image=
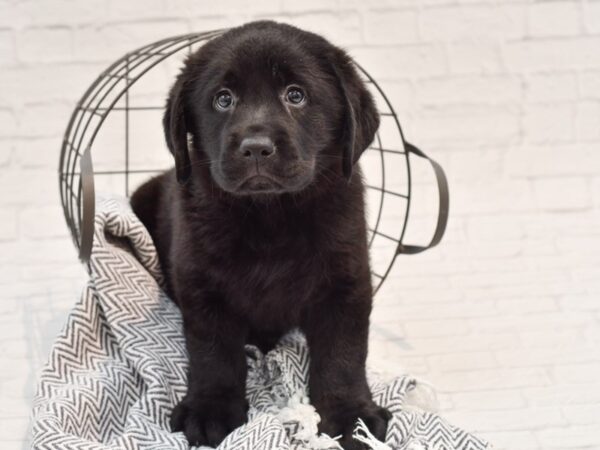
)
(444, 195)
(87, 205)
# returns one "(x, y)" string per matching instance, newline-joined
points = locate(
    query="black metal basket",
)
(113, 98)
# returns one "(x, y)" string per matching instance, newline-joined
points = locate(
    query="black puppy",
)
(260, 227)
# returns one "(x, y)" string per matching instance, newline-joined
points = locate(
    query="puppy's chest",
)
(277, 263)
(270, 278)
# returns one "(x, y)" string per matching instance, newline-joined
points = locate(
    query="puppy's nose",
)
(259, 147)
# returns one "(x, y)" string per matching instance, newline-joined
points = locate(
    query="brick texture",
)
(502, 318)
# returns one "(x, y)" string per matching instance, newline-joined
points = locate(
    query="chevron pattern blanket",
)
(119, 366)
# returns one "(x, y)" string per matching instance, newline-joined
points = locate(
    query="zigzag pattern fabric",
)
(119, 367)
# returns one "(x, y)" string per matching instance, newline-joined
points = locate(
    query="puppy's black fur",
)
(260, 227)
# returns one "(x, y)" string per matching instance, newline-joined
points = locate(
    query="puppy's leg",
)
(215, 403)
(337, 331)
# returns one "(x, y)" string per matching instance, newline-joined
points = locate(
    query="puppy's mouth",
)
(258, 180)
(257, 184)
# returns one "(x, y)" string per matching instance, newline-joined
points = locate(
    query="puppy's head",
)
(267, 107)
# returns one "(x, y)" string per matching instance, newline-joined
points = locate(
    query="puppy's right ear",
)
(174, 125)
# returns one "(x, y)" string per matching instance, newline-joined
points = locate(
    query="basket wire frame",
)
(76, 174)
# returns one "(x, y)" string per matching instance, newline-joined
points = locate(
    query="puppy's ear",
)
(174, 125)
(361, 118)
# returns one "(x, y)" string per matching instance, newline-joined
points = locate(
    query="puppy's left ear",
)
(175, 129)
(361, 118)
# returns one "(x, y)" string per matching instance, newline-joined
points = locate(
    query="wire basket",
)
(118, 123)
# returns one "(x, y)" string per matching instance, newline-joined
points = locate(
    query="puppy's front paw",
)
(342, 421)
(208, 421)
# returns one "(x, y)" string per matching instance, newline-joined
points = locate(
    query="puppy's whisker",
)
(330, 175)
(330, 156)
(200, 163)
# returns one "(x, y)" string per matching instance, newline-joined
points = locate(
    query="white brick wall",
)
(503, 318)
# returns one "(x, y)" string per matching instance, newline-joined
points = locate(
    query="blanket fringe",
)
(298, 409)
(362, 434)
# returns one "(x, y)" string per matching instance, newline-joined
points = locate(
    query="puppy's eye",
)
(223, 100)
(295, 95)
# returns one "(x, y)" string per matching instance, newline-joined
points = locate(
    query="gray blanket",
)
(119, 367)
